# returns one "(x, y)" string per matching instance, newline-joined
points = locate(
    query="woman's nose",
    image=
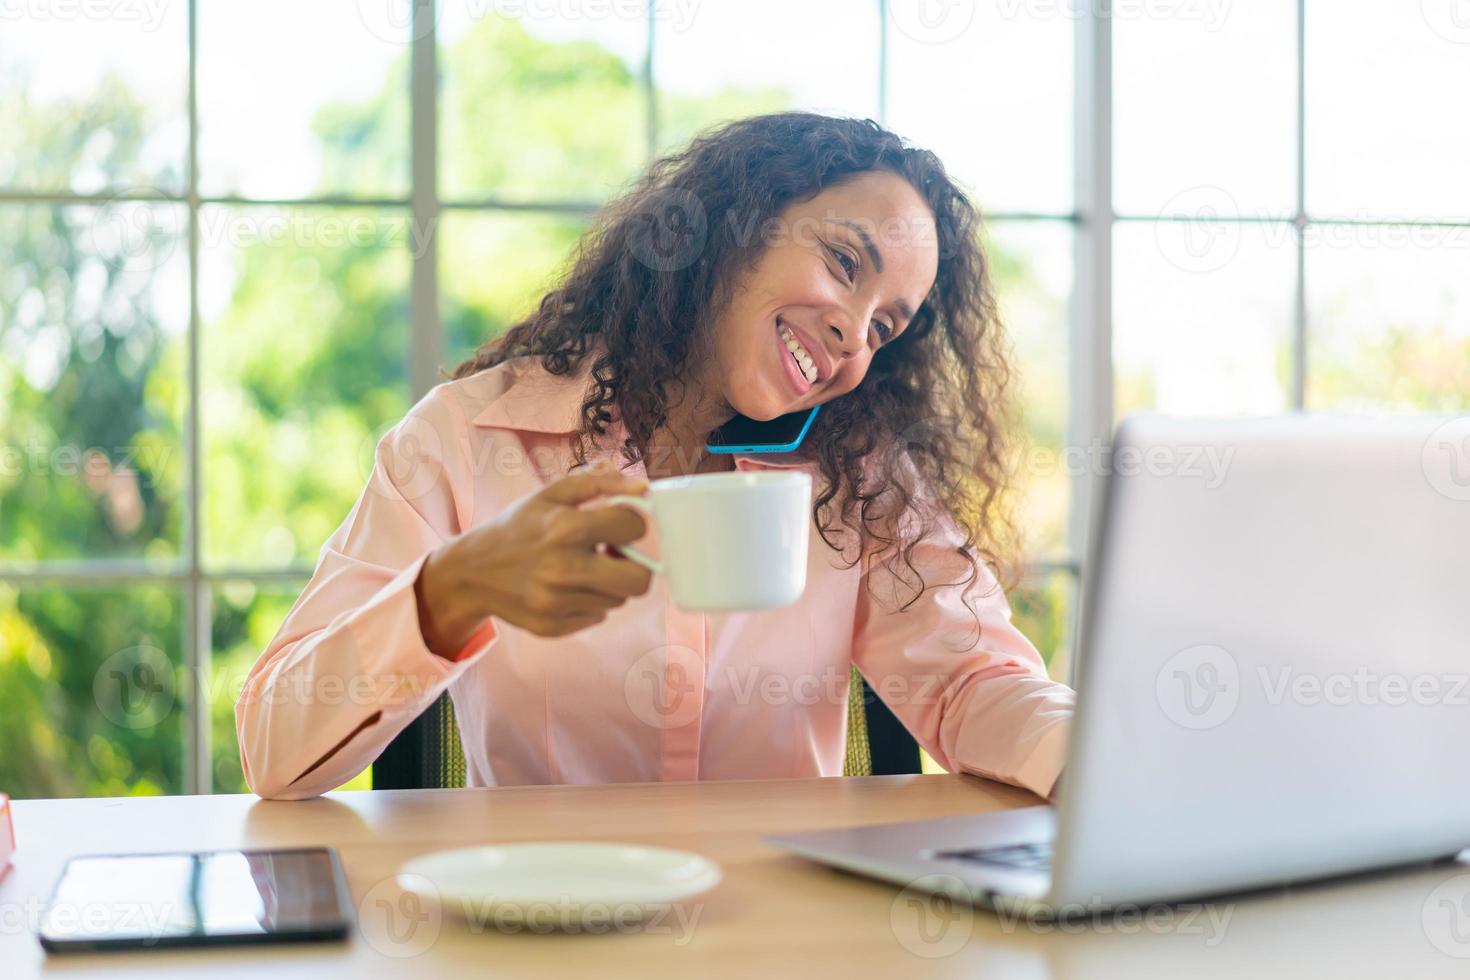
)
(849, 339)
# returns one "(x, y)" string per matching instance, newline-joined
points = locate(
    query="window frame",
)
(1090, 362)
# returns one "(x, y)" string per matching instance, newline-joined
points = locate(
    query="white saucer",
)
(560, 884)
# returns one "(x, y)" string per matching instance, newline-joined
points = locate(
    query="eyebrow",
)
(876, 258)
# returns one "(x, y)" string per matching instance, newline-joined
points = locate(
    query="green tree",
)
(90, 433)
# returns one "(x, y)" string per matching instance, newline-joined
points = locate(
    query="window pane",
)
(93, 309)
(1389, 308)
(714, 62)
(1386, 135)
(90, 104)
(303, 98)
(526, 252)
(989, 90)
(543, 106)
(91, 692)
(1205, 99)
(1032, 263)
(1042, 607)
(1202, 317)
(244, 618)
(304, 361)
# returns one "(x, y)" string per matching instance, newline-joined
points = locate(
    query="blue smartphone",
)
(779, 435)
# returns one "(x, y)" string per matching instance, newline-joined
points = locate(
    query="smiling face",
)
(840, 277)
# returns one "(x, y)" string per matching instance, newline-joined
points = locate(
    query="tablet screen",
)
(196, 899)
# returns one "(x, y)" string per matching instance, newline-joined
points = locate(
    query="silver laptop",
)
(1273, 677)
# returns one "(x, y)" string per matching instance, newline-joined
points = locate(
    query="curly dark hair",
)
(668, 253)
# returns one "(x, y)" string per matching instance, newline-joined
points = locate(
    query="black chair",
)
(427, 754)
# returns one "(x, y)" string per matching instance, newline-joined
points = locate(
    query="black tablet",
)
(145, 901)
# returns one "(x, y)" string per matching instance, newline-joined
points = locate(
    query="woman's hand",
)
(536, 566)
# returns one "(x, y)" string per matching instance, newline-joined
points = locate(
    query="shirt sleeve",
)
(976, 696)
(348, 669)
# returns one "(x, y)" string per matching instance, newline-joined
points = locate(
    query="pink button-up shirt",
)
(653, 692)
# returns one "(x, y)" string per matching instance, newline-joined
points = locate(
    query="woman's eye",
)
(884, 330)
(848, 265)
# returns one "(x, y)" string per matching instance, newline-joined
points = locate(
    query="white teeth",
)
(799, 354)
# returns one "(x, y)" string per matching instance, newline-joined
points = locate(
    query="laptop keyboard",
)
(1024, 857)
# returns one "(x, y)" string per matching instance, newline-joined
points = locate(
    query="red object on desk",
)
(7, 833)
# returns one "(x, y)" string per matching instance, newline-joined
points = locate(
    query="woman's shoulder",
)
(518, 388)
(472, 394)
(483, 386)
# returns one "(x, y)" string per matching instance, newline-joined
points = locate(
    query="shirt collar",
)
(535, 400)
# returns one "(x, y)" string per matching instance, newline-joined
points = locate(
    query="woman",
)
(777, 263)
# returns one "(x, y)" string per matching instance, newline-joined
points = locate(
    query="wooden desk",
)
(773, 916)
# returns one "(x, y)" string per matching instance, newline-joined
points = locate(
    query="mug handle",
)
(628, 551)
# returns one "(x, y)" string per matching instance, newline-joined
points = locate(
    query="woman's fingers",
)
(611, 576)
(614, 524)
(573, 603)
(549, 560)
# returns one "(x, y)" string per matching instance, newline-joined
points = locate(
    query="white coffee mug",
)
(729, 540)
